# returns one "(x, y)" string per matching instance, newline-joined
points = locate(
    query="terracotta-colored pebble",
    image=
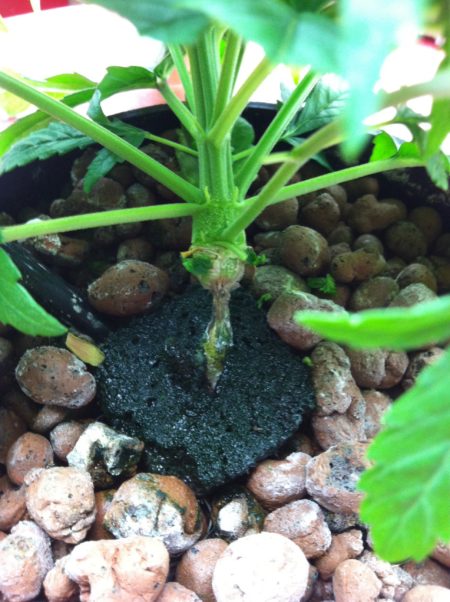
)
(303, 250)
(196, 567)
(127, 288)
(14, 399)
(12, 427)
(278, 216)
(303, 522)
(259, 567)
(333, 382)
(49, 417)
(376, 405)
(344, 546)
(281, 318)
(64, 437)
(156, 506)
(57, 585)
(61, 501)
(174, 592)
(54, 376)
(418, 362)
(354, 581)
(331, 477)
(427, 593)
(119, 570)
(29, 451)
(336, 428)
(12, 504)
(441, 553)
(25, 559)
(428, 572)
(103, 501)
(277, 482)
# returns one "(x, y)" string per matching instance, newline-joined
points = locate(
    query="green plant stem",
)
(338, 177)
(172, 144)
(228, 72)
(271, 136)
(215, 169)
(103, 136)
(180, 110)
(225, 121)
(177, 55)
(439, 87)
(327, 136)
(95, 220)
(208, 68)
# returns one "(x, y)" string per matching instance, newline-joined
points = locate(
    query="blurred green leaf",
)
(242, 135)
(325, 103)
(169, 21)
(394, 328)
(102, 164)
(56, 139)
(18, 308)
(384, 147)
(122, 79)
(438, 168)
(326, 284)
(31, 123)
(407, 489)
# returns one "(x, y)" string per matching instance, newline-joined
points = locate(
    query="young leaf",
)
(18, 308)
(438, 169)
(242, 135)
(384, 147)
(407, 489)
(325, 103)
(325, 285)
(56, 139)
(26, 125)
(122, 79)
(394, 328)
(102, 164)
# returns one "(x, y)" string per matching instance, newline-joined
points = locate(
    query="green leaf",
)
(31, 123)
(18, 308)
(384, 147)
(168, 21)
(325, 103)
(56, 139)
(407, 489)
(325, 285)
(255, 259)
(438, 169)
(122, 79)
(242, 135)
(198, 265)
(440, 126)
(102, 164)
(394, 328)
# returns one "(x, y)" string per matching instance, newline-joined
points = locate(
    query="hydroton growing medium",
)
(219, 160)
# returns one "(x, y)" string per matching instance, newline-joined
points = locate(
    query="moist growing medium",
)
(152, 385)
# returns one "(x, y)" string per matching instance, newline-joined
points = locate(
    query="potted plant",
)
(219, 162)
